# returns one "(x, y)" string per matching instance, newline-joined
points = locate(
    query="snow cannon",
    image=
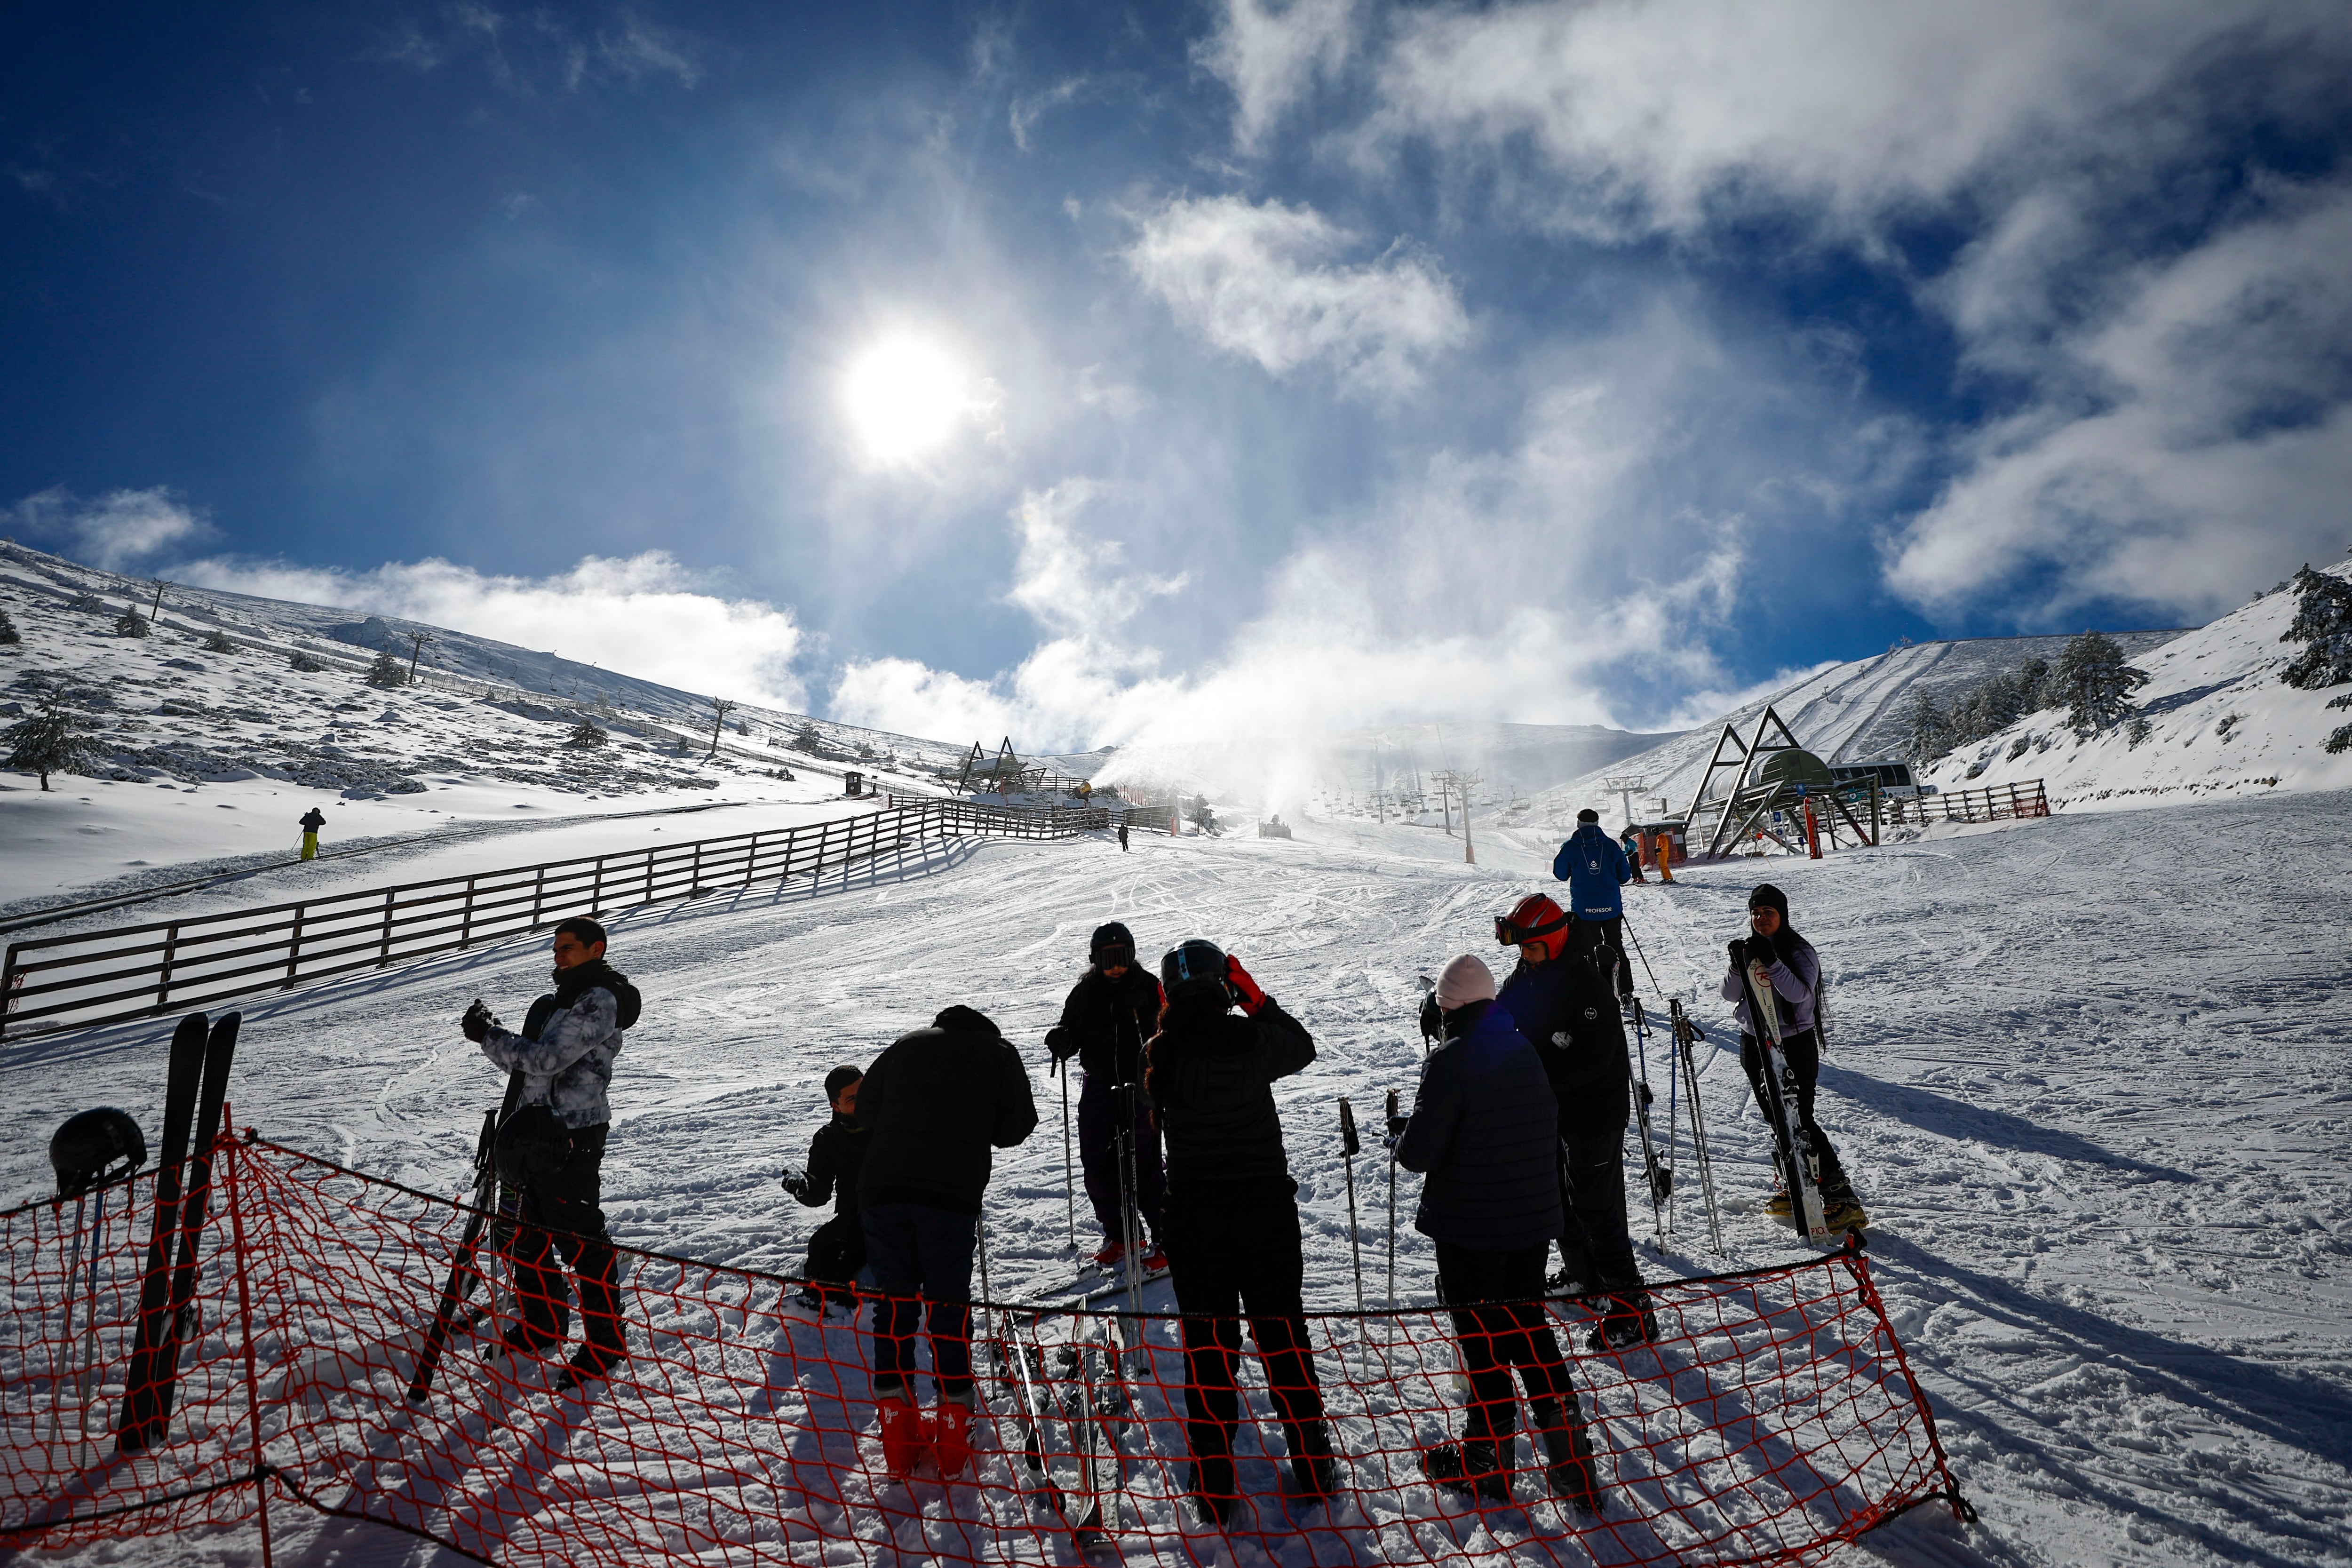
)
(94, 1147)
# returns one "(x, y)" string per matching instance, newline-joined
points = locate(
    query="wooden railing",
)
(135, 971)
(1996, 803)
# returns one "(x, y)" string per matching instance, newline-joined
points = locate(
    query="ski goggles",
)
(1511, 935)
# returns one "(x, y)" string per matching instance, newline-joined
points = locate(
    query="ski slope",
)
(2092, 1079)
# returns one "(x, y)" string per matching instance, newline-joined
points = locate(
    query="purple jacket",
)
(1793, 980)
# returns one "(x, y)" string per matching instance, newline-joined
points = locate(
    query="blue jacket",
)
(1484, 1131)
(1594, 867)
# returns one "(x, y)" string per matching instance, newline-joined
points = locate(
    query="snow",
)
(2092, 1080)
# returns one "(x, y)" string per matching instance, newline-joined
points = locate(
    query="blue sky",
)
(1169, 371)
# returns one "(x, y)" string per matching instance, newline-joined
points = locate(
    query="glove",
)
(1432, 1020)
(796, 1185)
(1063, 1044)
(1761, 950)
(1739, 954)
(479, 1022)
(1244, 990)
(1397, 1124)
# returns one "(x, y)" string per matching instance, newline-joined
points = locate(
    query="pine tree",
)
(1927, 735)
(131, 624)
(2323, 620)
(2032, 685)
(2096, 683)
(303, 664)
(51, 740)
(587, 737)
(216, 641)
(1202, 816)
(9, 636)
(386, 671)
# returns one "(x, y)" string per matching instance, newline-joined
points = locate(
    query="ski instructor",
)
(1593, 866)
(551, 1150)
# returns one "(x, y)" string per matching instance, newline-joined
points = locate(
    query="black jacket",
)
(933, 1105)
(837, 1154)
(1108, 1021)
(1567, 1010)
(312, 820)
(1482, 1132)
(1210, 1074)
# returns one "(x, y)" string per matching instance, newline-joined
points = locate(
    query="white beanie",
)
(1466, 979)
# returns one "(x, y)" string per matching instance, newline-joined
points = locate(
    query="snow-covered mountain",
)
(2218, 721)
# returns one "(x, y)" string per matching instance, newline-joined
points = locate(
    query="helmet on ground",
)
(1534, 919)
(1194, 963)
(95, 1146)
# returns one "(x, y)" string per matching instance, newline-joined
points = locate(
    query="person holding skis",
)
(1559, 997)
(1593, 867)
(1482, 1133)
(1108, 1015)
(312, 821)
(1795, 972)
(934, 1105)
(1232, 1217)
(836, 1155)
(551, 1152)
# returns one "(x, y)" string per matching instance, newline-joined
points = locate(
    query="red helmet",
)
(1534, 919)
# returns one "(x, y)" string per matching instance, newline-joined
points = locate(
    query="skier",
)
(1122, 832)
(1108, 1015)
(1231, 1215)
(934, 1103)
(551, 1150)
(312, 820)
(1593, 867)
(1558, 995)
(836, 1154)
(1795, 970)
(1482, 1132)
(1630, 843)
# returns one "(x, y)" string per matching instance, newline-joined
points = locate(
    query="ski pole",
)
(1686, 1031)
(1644, 957)
(1391, 1122)
(1069, 1181)
(65, 1335)
(1347, 1147)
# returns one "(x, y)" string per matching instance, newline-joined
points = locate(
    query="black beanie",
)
(965, 1020)
(1766, 895)
(1588, 815)
(1108, 937)
(839, 1079)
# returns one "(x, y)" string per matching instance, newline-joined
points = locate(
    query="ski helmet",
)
(1534, 919)
(1194, 963)
(1112, 943)
(95, 1146)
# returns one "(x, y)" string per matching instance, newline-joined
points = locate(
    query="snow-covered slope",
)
(2220, 721)
(1849, 712)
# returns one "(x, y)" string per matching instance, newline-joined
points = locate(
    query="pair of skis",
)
(1087, 1393)
(194, 1087)
(463, 1273)
(1793, 1145)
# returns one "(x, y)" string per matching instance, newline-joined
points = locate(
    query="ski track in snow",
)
(2090, 1072)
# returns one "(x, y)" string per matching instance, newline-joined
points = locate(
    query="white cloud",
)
(1266, 282)
(1272, 54)
(118, 530)
(2184, 442)
(645, 616)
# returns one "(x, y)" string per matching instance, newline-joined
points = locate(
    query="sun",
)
(904, 398)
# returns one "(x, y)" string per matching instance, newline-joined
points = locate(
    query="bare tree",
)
(720, 707)
(417, 643)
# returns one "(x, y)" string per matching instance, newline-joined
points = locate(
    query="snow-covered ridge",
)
(2218, 721)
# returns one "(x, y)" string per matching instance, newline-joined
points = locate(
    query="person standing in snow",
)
(1560, 997)
(312, 820)
(1795, 970)
(1482, 1133)
(934, 1105)
(1232, 1216)
(551, 1152)
(1122, 832)
(1595, 868)
(1108, 1015)
(836, 1156)
(1630, 843)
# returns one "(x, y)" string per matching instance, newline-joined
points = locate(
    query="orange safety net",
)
(1771, 1417)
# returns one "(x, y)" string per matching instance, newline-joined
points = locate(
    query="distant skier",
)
(1482, 1131)
(1630, 843)
(1122, 834)
(934, 1104)
(551, 1150)
(312, 820)
(1795, 970)
(1595, 868)
(1109, 1014)
(1233, 1243)
(1560, 997)
(836, 1155)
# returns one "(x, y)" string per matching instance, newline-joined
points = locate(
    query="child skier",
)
(836, 1154)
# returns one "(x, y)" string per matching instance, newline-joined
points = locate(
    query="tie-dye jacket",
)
(569, 1062)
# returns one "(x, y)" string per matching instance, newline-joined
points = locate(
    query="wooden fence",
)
(135, 971)
(1995, 803)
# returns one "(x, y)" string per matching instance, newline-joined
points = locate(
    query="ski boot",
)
(1781, 1205)
(1314, 1475)
(1841, 1210)
(1112, 1255)
(948, 1432)
(1628, 1321)
(903, 1438)
(1568, 1453)
(590, 1363)
(1467, 1469)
